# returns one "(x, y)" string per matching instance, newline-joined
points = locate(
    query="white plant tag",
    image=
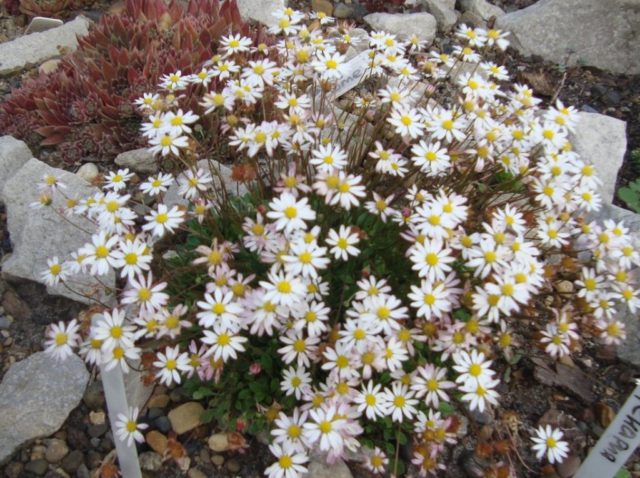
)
(617, 443)
(355, 70)
(116, 398)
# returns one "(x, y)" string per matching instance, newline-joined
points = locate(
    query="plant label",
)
(355, 70)
(617, 443)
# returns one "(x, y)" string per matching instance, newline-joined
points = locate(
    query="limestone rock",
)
(261, 10)
(351, 10)
(602, 141)
(137, 391)
(41, 24)
(219, 442)
(150, 461)
(324, 6)
(319, 468)
(423, 25)
(157, 441)
(584, 32)
(444, 11)
(36, 396)
(221, 176)
(49, 66)
(13, 155)
(39, 234)
(629, 350)
(186, 417)
(34, 48)
(481, 8)
(88, 172)
(138, 160)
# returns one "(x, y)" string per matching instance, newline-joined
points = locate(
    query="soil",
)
(525, 396)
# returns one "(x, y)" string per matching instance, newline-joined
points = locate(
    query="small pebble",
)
(72, 462)
(37, 467)
(56, 450)
(83, 472)
(219, 442)
(150, 461)
(37, 452)
(217, 460)
(97, 418)
(97, 430)
(5, 322)
(155, 413)
(88, 172)
(195, 473)
(233, 466)
(163, 424)
(94, 396)
(13, 470)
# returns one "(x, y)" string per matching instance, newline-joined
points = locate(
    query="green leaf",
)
(462, 315)
(630, 196)
(623, 473)
(446, 409)
(267, 363)
(202, 392)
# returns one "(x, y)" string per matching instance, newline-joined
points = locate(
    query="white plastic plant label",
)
(355, 71)
(616, 444)
(116, 398)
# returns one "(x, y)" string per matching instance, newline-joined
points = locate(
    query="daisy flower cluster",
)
(394, 243)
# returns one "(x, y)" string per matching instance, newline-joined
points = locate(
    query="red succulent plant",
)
(84, 107)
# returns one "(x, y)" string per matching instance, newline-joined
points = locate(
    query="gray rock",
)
(472, 19)
(137, 392)
(13, 155)
(36, 396)
(94, 396)
(261, 10)
(83, 472)
(150, 461)
(444, 11)
(5, 322)
(481, 8)
(37, 467)
(35, 48)
(138, 160)
(29, 228)
(423, 25)
(221, 175)
(319, 468)
(349, 10)
(602, 141)
(629, 350)
(88, 172)
(41, 24)
(604, 34)
(56, 450)
(72, 461)
(360, 43)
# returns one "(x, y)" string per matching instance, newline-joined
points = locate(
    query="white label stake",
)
(617, 443)
(116, 398)
(355, 71)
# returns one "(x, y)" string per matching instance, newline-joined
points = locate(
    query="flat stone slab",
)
(39, 234)
(423, 25)
(36, 396)
(33, 49)
(261, 11)
(600, 33)
(602, 141)
(41, 24)
(13, 155)
(629, 350)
